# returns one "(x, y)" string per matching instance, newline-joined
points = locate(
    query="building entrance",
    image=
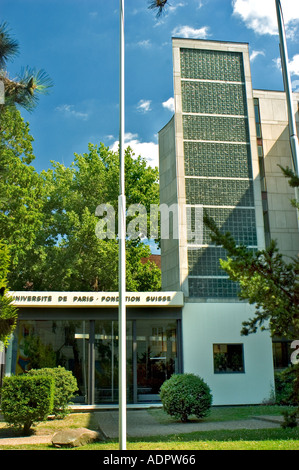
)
(89, 348)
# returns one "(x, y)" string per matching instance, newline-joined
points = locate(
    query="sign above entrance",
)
(96, 299)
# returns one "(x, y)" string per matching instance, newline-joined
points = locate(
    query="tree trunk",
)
(26, 428)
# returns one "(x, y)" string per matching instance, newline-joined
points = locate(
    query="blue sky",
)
(76, 42)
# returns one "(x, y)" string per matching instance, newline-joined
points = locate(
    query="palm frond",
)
(9, 47)
(157, 4)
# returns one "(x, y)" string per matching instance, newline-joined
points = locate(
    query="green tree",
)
(18, 207)
(19, 186)
(22, 190)
(266, 279)
(8, 313)
(67, 253)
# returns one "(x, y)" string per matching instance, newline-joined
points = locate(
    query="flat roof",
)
(209, 40)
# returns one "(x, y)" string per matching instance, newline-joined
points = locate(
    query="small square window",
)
(228, 358)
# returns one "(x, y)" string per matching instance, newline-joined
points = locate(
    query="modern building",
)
(220, 152)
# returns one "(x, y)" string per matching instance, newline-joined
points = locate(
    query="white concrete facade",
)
(283, 217)
(213, 323)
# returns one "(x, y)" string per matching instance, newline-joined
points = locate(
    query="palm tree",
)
(24, 88)
(157, 4)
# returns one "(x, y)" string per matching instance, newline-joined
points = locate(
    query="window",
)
(257, 118)
(228, 358)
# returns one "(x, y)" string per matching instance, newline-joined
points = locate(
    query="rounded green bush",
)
(65, 386)
(186, 394)
(26, 400)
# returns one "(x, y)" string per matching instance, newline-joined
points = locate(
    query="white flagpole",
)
(122, 385)
(287, 86)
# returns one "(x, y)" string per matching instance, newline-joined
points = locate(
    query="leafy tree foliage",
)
(21, 187)
(8, 313)
(19, 183)
(58, 248)
(48, 220)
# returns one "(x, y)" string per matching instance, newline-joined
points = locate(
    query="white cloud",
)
(146, 43)
(260, 15)
(129, 136)
(277, 62)
(255, 54)
(148, 150)
(172, 8)
(69, 111)
(293, 65)
(295, 86)
(189, 32)
(169, 104)
(144, 106)
(109, 137)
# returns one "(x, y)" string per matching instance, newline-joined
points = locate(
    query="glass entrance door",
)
(156, 356)
(106, 361)
(152, 357)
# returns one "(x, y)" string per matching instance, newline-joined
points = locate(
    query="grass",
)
(245, 439)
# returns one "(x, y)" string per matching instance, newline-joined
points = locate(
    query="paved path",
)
(141, 423)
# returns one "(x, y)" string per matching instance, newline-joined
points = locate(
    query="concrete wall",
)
(168, 195)
(283, 218)
(211, 323)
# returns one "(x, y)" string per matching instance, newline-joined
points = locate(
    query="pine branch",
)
(9, 47)
(157, 4)
(293, 178)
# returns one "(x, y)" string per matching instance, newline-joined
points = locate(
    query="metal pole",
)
(91, 361)
(287, 87)
(122, 385)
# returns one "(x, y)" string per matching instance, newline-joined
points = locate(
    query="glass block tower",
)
(208, 159)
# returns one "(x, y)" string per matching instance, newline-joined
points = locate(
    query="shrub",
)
(65, 386)
(26, 400)
(287, 386)
(186, 394)
(290, 418)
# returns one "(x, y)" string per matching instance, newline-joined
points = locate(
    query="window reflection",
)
(151, 355)
(40, 344)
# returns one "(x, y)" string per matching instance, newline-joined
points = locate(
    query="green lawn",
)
(263, 439)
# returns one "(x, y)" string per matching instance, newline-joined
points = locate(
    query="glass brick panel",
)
(239, 222)
(214, 98)
(217, 192)
(205, 261)
(211, 65)
(213, 288)
(215, 128)
(215, 159)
